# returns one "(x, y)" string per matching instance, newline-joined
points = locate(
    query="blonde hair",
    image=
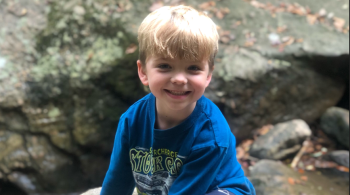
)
(178, 32)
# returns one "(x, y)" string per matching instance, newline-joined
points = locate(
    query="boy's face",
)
(177, 84)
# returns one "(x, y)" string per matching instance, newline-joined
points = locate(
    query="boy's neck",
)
(166, 118)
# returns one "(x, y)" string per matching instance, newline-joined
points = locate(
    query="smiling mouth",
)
(177, 92)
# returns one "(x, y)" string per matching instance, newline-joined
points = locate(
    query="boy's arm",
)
(119, 179)
(201, 169)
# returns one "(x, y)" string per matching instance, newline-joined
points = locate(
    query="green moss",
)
(81, 51)
(82, 40)
(54, 112)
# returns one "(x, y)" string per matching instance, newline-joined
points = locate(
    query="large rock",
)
(96, 191)
(274, 178)
(65, 87)
(340, 157)
(281, 141)
(335, 122)
(32, 163)
(256, 83)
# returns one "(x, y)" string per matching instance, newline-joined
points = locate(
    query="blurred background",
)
(68, 71)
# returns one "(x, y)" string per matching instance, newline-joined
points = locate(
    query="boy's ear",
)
(209, 76)
(142, 73)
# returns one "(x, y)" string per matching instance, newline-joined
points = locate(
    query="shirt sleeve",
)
(200, 170)
(119, 179)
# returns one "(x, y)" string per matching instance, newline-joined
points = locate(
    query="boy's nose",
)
(179, 79)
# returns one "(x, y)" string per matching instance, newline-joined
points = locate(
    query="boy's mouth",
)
(179, 93)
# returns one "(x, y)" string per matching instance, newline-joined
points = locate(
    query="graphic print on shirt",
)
(154, 170)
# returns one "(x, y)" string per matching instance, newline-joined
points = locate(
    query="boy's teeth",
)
(177, 92)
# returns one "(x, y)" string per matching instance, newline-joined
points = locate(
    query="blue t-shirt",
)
(192, 158)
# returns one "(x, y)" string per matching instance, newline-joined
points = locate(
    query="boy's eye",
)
(164, 66)
(194, 68)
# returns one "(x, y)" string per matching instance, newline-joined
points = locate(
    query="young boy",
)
(175, 140)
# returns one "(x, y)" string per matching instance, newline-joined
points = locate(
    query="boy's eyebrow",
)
(169, 59)
(164, 59)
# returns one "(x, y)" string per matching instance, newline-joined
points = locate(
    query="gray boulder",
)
(340, 157)
(256, 83)
(274, 178)
(63, 87)
(335, 122)
(96, 191)
(25, 157)
(282, 140)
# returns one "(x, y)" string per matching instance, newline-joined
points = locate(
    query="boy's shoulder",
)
(212, 112)
(216, 123)
(210, 109)
(138, 108)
